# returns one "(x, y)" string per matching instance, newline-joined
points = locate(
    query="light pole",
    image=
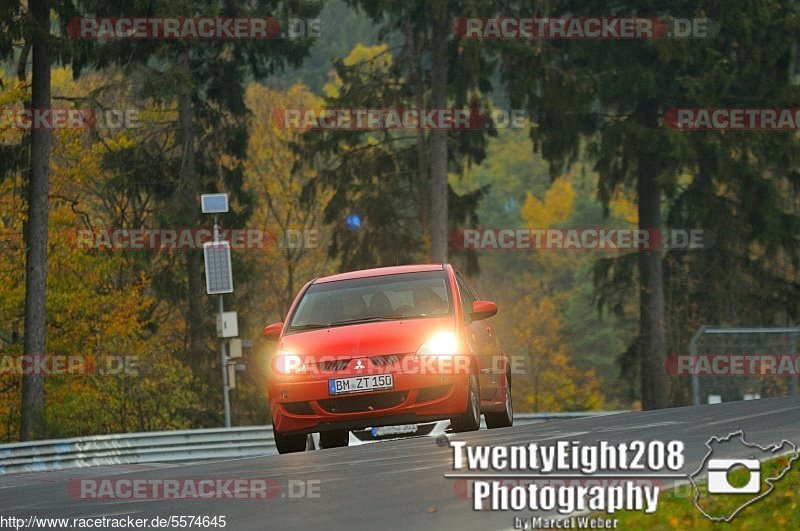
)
(219, 280)
(223, 359)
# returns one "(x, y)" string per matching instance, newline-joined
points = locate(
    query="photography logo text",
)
(490, 465)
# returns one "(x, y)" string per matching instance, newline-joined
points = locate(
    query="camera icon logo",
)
(718, 482)
(723, 476)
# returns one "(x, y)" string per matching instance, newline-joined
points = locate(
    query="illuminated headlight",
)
(441, 344)
(288, 363)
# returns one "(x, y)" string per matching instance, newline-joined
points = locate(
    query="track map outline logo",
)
(707, 462)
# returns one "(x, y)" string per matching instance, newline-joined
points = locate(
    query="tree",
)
(36, 226)
(439, 226)
(437, 72)
(31, 26)
(385, 177)
(204, 82)
(101, 304)
(552, 382)
(294, 249)
(614, 93)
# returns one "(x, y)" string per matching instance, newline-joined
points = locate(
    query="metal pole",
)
(695, 377)
(793, 377)
(223, 358)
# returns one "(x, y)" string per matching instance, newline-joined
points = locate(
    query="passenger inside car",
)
(353, 307)
(379, 306)
(427, 302)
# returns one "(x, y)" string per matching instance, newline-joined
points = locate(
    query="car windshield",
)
(387, 297)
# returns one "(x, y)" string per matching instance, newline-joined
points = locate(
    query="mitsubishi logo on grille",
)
(359, 365)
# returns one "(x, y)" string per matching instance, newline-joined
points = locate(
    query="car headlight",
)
(288, 363)
(441, 344)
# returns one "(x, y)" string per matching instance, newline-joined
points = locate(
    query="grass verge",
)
(780, 509)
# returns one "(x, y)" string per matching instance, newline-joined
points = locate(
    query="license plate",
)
(359, 384)
(394, 430)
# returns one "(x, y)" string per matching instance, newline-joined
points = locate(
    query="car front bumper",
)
(303, 403)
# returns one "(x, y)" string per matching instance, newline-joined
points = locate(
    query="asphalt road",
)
(392, 484)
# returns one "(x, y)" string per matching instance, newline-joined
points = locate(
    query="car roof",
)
(379, 271)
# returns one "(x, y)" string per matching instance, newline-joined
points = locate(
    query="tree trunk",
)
(415, 80)
(287, 301)
(438, 174)
(189, 204)
(194, 272)
(652, 340)
(36, 227)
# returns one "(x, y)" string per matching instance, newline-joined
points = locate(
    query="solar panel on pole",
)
(214, 203)
(219, 276)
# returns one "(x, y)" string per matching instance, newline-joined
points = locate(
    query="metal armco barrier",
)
(132, 448)
(177, 446)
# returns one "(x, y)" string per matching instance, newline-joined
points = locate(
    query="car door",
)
(481, 335)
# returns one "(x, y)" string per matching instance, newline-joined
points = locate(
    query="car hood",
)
(366, 339)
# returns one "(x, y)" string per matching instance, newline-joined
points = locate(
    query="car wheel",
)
(504, 418)
(334, 438)
(471, 419)
(289, 444)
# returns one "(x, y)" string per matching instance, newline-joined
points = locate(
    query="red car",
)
(386, 346)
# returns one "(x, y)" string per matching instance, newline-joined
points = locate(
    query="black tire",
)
(503, 419)
(471, 419)
(334, 438)
(291, 443)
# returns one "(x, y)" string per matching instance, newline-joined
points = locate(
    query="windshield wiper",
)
(363, 320)
(315, 326)
(308, 326)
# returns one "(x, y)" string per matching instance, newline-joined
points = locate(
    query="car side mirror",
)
(482, 310)
(273, 331)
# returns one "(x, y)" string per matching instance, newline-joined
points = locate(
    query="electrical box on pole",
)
(235, 348)
(227, 325)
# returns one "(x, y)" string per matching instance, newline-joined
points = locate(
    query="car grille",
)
(382, 361)
(359, 403)
(426, 394)
(298, 408)
(335, 365)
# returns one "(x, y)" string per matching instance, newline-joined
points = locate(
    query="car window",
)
(401, 296)
(467, 295)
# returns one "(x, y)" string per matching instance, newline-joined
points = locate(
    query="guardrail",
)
(179, 446)
(133, 448)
